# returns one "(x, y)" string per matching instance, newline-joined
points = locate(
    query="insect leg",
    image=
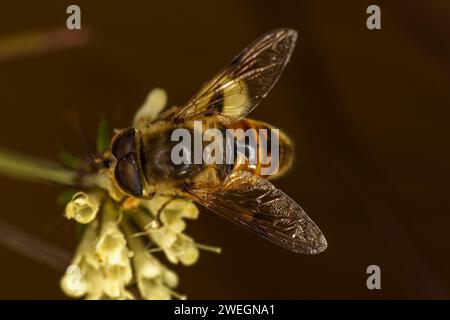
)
(161, 209)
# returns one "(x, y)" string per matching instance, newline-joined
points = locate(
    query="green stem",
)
(20, 166)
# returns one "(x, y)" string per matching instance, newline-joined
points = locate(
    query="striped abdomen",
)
(265, 165)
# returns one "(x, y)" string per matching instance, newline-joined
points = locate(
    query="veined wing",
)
(242, 84)
(258, 205)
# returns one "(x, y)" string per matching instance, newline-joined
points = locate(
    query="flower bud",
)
(155, 102)
(71, 282)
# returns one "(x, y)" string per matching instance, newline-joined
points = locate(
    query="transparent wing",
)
(241, 85)
(258, 205)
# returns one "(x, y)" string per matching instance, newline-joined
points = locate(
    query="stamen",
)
(153, 250)
(154, 224)
(175, 294)
(205, 247)
(139, 234)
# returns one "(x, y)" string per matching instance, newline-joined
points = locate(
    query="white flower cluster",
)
(101, 266)
(111, 248)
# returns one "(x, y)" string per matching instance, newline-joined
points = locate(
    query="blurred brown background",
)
(368, 110)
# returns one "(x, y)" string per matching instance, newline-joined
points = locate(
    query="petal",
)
(156, 101)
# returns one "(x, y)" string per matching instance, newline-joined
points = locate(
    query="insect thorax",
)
(156, 158)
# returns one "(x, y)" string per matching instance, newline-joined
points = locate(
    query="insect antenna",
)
(92, 161)
(73, 119)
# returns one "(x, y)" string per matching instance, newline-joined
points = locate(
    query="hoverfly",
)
(140, 164)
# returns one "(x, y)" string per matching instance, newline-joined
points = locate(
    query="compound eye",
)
(124, 143)
(128, 177)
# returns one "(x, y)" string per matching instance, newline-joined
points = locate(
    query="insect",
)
(139, 160)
